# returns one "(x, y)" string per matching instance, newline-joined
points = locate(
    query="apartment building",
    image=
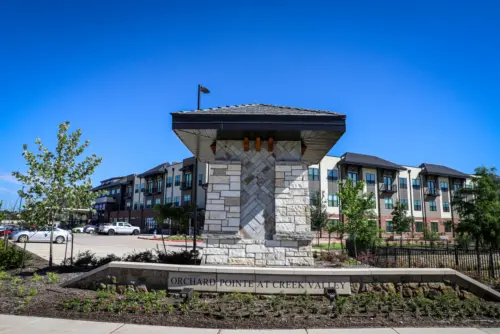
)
(427, 190)
(132, 198)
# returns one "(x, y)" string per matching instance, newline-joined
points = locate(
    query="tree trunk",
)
(329, 238)
(342, 243)
(163, 241)
(355, 248)
(50, 242)
(401, 240)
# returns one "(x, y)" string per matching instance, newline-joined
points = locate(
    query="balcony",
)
(168, 185)
(432, 192)
(152, 191)
(105, 199)
(388, 188)
(186, 185)
(128, 194)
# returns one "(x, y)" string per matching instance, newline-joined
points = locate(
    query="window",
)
(128, 204)
(112, 192)
(311, 199)
(446, 206)
(118, 190)
(141, 206)
(188, 178)
(160, 184)
(388, 203)
(431, 187)
(403, 183)
(148, 204)
(370, 178)
(200, 179)
(333, 222)
(187, 199)
(388, 226)
(468, 186)
(419, 226)
(353, 176)
(157, 201)
(457, 186)
(150, 187)
(313, 174)
(432, 205)
(332, 174)
(444, 186)
(136, 188)
(142, 187)
(416, 183)
(177, 200)
(135, 206)
(417, 205)
(434, 227)
(448, 227)
(177, 180)
(388, 182)
(404, 203)
(169, 182)
(333, 200)
(169, 200)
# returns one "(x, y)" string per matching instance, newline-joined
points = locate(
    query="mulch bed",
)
(208, 311)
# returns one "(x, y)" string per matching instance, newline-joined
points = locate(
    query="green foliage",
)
(319, 215)
(36, 278)
(401, 222)
(479, 208)
(52, 278)
(12, 257)
(430, 235)
(57, 182)
(358, 209)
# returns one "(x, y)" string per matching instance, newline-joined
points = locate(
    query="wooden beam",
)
(245, 144)
(257, 144)
(270, 144)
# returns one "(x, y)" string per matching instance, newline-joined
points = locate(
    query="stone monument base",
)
(250, 252)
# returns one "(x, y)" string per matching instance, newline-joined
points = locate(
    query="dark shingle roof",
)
(261, 109)
(368, 160)
(442, 171)
(155, 170)
(114, 181)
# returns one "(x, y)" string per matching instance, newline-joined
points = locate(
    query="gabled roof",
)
(261, 109)
(114, 181)
(160, 169)
(368, 161)
(442, 171)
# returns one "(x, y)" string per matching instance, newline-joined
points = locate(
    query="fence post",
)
(387, 253)
(492, 268)
(409, 257)
(456, 257)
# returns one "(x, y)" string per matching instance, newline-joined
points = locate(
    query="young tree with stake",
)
(401, 222)
(57, 182)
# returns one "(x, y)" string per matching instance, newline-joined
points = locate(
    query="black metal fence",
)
(483, 263)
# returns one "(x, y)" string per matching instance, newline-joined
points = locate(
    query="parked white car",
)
(42, 235)
(118, 228)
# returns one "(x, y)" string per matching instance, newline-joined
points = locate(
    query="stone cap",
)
(293, 236)
(222, 235)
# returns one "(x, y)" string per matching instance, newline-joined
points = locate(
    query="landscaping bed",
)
(35, 291)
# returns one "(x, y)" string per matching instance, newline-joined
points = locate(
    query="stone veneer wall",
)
(256, 212)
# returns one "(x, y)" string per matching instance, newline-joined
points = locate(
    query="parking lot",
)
(101, 245)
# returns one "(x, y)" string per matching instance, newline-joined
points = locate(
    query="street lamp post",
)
(203, 90)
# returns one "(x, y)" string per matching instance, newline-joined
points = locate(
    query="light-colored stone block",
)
(256, 249)
(217, 214)
(285, 227)
(215, 251)
(273, 243)
(212, 195)
(283, 168)
(235, 186)
(234, 209)
(237, 253)
(234, 222)
(219, 187)
(215, 207)
(219, 179)
(236, 167)
(230, 193)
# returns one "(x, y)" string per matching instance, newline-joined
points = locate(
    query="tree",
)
(478, 208)
(401, 222)
(358, 208)
(319, 215)
(178, 215)
(57, 182)
(332, 226)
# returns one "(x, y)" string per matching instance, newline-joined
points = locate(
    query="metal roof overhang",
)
(199, 131)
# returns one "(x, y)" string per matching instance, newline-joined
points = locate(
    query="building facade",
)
(427, 191)
(132, 198)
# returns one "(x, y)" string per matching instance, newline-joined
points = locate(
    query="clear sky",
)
(418, 80)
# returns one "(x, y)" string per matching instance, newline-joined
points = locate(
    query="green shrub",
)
(12, 257)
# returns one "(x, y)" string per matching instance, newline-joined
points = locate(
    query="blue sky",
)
(418, 81)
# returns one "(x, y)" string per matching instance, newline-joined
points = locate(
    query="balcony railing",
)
(168, 185)
(388, 188)
(186, 185)
(154, 190)
(128, 194)
(432, 192)
(332, 178)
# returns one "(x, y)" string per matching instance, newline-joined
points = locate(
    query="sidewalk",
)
(20, 324)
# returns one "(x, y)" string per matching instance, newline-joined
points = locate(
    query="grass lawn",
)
(333, 245)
